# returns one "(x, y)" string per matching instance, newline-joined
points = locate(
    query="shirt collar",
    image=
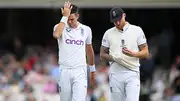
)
(78, 27)
(124, 28)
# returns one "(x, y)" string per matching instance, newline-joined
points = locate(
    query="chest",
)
(74, 36)
(126, 39)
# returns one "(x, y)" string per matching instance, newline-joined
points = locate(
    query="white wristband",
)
(92, 68)
(64, 19)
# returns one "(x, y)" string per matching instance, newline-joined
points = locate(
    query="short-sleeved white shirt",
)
(131, 37)
(72, 45)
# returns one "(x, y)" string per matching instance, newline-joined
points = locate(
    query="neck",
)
(76, 25)
(122, 26)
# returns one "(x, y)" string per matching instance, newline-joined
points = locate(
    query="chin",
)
(119, 27)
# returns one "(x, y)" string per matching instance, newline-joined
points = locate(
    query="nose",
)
(69, 21)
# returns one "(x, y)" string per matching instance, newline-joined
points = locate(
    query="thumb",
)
(62, 10)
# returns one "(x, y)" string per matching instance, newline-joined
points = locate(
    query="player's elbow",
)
(55, 35)
(146, 55)
(102, 56)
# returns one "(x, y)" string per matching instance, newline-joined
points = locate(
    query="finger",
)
(65, 4)
(68, 4)
(62, 10)
(71, 7)
(92, 83)
(126, 51)
(92, 80)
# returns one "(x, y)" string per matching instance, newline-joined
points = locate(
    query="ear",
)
(124, 14)
(77, 15)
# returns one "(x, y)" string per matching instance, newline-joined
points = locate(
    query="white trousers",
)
(73, 84)
(125, 86)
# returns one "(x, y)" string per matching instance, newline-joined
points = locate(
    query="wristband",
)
(64, 19)
(92, 68)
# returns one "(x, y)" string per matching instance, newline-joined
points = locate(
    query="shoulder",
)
(136, 28)
(110, 30)
(85, 27)
(87, 30)
(55, 26)
(138, 32)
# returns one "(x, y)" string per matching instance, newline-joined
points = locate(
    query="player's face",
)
(120, 23)
(72, 20)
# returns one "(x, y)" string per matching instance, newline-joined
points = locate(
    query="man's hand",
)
(66, 10)
(121, 61)
(128, 52)
(92, 78)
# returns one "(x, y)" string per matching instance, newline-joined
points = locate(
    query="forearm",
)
(142, 54)
(90, 57)
(106, 57)
(90, 60)
(59, 29)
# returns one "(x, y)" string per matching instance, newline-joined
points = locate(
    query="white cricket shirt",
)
(72, 46)
(131, 37)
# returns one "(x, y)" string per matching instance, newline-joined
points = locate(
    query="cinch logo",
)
(76, 42)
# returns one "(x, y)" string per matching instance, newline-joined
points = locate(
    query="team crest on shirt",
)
(68, 29)
(82, 32)
(123, 43)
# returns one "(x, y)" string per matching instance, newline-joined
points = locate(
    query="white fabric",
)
(73, 84)
(131, 37)
(92, 68)
(72, 45)
(64, 19)
(125, 85)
